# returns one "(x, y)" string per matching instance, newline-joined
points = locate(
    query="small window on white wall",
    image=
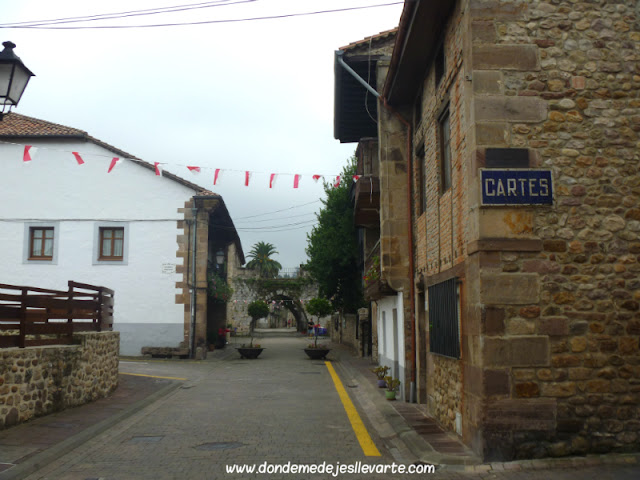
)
(111, 243)
(40, 242)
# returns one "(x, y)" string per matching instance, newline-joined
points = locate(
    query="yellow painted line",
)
(150, 376)
(368, 447)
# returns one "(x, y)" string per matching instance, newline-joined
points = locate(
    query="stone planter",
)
(317, 353)
(249, 352)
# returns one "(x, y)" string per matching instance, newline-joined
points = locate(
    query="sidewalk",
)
(414, 437)
(28, 447)
(420, 435)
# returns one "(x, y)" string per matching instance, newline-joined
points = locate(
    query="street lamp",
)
(220, 259)
(14, 77)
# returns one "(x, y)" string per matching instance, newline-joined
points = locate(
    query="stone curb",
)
(548, 463)
(414, 443)
(54, 452)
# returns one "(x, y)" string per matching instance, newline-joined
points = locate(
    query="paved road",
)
(280, 408)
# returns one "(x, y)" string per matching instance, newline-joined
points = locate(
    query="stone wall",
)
(301, 290)
(36, 381)
(560, 306)
(441, 219)
(444, 387)
(347, 331)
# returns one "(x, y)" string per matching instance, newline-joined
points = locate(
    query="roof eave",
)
(420, 30)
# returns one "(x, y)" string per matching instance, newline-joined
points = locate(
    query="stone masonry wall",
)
(36, 381)
(441, 231)
(444, 390)
(561, 312)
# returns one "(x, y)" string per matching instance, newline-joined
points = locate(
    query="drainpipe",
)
(192, 330)
(412, 291)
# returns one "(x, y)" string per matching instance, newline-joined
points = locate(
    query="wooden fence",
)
(31, 316)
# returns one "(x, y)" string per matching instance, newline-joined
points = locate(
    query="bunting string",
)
(29, 154)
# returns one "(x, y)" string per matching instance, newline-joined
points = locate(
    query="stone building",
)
(380, 199)
(208, 244)
(520, 124)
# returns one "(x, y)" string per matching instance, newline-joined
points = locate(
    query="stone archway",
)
(295, 307)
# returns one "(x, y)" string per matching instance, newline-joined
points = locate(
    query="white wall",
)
(53, 188)
(391, 336)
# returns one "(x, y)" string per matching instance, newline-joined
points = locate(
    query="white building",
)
(61, 220)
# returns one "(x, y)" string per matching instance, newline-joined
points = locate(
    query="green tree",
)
(332, 246)
(261, 260)
(258, 309)
(320, 307)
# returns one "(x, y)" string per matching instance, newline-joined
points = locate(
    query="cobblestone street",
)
(280, 408)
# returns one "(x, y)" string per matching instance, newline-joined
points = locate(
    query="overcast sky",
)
(248, 95)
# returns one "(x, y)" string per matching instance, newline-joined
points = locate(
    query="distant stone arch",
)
(291, 291)
(295, 307)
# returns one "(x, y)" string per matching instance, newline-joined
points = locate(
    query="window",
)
(445, 150)
(41, 243)
(111, 243)
(444, 315)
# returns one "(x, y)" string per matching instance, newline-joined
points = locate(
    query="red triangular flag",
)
(215, 176)
(195, 170)
(247, 174)
(271, 180)
(337, 184)
(296, 181)
(29, 153)
(317, 177)
(356, 177)
(158, 169)
(78, 158)
(114, 162)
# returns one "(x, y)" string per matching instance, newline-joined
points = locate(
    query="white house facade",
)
(391, 341)
(61, 220)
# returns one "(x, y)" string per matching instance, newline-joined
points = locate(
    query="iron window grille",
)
(444, 318)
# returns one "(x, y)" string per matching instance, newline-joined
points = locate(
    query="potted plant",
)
(392, 387)
(257, 309)
(319, 307)
(381, 372)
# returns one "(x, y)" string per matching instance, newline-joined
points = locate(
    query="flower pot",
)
(249, 352)
(317, 353)
(390, 394)
(382, 383)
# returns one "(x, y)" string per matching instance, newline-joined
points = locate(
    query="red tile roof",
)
(378, 36)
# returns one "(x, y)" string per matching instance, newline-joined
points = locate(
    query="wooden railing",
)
(31, 316)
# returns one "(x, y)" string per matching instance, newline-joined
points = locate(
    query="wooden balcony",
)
(366, 201)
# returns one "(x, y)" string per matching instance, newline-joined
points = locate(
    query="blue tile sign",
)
(516, 187)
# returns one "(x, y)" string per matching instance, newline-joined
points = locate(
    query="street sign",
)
(516, 186)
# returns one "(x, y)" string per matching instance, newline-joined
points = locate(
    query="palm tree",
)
(261, 260)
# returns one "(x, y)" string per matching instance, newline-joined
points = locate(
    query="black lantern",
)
(220, 258)
(14, 77)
